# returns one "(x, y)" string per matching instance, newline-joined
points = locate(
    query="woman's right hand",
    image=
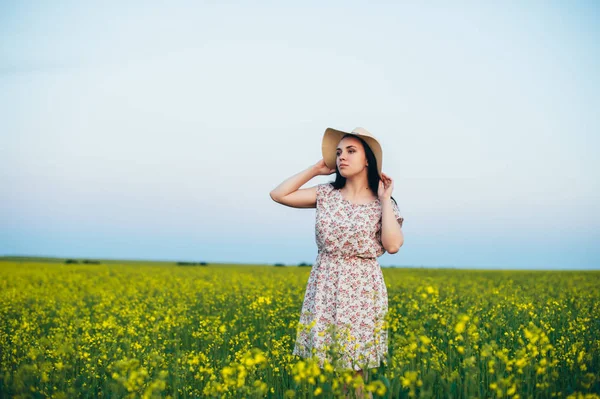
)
(322, 169)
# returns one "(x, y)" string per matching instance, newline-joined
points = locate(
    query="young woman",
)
(357, 220)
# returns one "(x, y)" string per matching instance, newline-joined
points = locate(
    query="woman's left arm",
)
(392, 237)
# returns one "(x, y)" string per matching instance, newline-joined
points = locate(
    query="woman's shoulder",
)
(324, 191)
(325, 188)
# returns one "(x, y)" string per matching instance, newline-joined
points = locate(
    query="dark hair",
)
(372, 173)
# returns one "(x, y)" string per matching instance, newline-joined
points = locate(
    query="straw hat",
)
(332, 137)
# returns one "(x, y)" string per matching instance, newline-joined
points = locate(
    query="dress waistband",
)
(343, 255)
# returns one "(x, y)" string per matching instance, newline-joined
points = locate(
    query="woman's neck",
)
(357, 188)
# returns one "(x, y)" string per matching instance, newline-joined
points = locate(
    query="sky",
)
(156, 130)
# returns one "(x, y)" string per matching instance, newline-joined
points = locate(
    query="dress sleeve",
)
(399, 217)
(322, 190)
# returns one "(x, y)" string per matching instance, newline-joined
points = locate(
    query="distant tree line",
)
(88, 261)
(96, 262)
(191, 263)
(300, 264)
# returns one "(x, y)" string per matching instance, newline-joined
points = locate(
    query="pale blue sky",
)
(155, 130)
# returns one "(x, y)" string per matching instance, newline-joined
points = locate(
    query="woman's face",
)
(350, 158)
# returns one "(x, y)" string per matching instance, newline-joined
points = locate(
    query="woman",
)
(357, 220)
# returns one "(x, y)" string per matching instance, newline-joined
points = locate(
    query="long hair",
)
(372, 174)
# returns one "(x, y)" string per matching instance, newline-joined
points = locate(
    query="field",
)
(161, 330)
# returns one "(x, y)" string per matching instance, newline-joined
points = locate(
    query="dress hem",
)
(307, 354)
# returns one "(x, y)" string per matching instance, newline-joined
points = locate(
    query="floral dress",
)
(343, 313)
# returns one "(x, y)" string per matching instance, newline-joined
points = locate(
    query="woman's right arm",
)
(289, 194)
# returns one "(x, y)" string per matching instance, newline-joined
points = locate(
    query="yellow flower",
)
(260, 358)
(405, 382)
(377, 387)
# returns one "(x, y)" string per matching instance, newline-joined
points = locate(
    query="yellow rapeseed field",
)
(149, 331)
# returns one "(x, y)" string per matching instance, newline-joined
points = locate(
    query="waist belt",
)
(343, 255)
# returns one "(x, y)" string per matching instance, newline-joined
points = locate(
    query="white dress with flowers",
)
(345, 304)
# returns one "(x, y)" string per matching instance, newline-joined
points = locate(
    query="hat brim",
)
(332, 137)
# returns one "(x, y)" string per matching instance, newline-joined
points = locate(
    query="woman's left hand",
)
(386, 185)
